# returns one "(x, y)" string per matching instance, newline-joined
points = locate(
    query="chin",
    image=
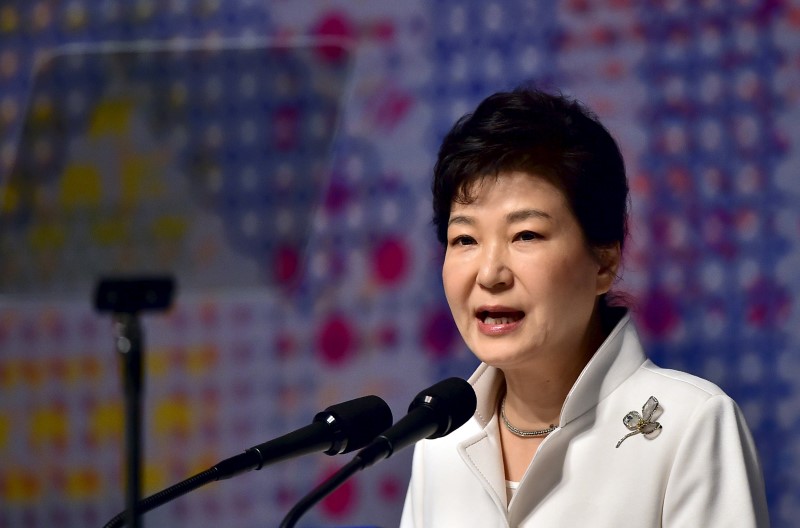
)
(501, 358)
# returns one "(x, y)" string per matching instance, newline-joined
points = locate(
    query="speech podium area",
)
(130, 195)
(274, 160)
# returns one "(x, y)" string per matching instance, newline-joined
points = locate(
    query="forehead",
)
(510, 190)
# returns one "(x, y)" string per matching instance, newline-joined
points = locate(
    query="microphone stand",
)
(434, 412)
(321, 491)
(338, 429)
(380, 448)
(126, 299)
(301, 442)
(128, 343)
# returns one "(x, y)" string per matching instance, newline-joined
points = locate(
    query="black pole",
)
(321, 491)
(125, 299)
(128, 342)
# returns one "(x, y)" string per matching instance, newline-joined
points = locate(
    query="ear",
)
(608, 258)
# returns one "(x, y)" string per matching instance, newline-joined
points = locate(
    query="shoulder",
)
(635, 379)
(680, 381)
(686, 397)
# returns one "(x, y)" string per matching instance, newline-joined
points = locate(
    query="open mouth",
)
(500, 317)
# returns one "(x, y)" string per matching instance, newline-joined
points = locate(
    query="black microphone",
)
(434, 412)
(340, 428)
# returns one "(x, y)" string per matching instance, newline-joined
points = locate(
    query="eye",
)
(527, 236)
(462, 240)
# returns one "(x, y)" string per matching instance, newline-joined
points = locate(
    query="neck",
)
(535, 393)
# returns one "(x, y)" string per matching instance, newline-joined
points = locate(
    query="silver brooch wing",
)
(641, 423)
(649, 408)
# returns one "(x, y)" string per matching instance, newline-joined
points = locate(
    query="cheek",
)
(448, 282)
(583, 290)
(574, 273)
(455, 282)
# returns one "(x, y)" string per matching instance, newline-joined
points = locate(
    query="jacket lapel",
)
(483, 456)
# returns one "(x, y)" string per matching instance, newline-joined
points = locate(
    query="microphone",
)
(435, 412)
(340, 428)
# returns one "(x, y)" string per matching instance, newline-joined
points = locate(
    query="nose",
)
(494, 272)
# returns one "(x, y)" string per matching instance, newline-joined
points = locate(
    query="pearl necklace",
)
(520, 432)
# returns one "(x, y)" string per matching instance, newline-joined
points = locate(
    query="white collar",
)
(614, 361)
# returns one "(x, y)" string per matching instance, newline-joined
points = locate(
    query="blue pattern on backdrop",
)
(711, 149)
(696, 95)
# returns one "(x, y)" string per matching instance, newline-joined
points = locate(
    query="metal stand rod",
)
(128, 343)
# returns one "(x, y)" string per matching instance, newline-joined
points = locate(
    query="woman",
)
(574, 425)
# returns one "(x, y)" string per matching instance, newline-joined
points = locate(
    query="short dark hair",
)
(543, 134)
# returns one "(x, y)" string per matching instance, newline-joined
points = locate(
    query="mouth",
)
(499, 316)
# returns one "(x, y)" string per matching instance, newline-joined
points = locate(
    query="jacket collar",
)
(616, 359)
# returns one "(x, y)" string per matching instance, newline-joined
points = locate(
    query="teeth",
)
(498, 320)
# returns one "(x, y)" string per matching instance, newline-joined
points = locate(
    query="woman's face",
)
(519, 278)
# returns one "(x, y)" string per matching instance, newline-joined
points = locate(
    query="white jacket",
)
(699, 470)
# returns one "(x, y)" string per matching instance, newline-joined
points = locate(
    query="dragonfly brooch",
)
(641, 423)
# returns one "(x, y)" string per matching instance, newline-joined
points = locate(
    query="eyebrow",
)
(511, 218)
(525, 214)
(461, 219)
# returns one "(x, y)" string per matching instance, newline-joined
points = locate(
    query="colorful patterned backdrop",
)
(275, 156)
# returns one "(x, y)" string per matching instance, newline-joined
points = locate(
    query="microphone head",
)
(452, 400)
(355, 423)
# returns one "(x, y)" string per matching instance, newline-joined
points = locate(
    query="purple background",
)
(290, 302)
